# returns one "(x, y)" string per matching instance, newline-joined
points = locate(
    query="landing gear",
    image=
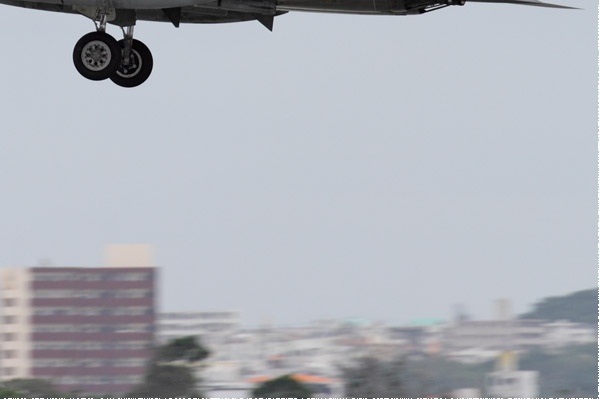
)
(136, 62)
(98, 56)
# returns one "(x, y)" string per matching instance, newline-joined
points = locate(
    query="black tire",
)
(97, 55)
(139, 68)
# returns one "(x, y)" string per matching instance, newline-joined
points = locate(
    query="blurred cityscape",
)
(94, 331)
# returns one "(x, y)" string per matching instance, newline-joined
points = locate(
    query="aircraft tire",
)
(96, 56)
(138, 69)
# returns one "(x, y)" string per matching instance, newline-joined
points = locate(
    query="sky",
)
(386, 168)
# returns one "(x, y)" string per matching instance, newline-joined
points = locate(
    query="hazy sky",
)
(341, 166)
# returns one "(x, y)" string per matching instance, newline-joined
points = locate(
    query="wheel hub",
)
(96, 55)
(132, 67)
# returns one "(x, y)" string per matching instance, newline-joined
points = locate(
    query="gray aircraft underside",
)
(217, 11)
(128, 62)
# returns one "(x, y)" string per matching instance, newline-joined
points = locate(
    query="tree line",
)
(581, 306)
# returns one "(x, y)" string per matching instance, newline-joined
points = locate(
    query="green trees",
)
(182, 349)
(166, 381)
(570, 372)
(30, 388)
(10, 394)
(283, 387)
(170, 373)
(580, 306)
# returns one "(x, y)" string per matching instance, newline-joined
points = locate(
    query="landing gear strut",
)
(136, 62)
(98, 56)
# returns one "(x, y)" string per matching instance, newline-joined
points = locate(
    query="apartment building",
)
(87, 330)
(494, 335)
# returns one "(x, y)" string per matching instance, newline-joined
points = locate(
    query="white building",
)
(507, 381)
(565, 333)
(495, 335)
(512, 384)
(210, 326)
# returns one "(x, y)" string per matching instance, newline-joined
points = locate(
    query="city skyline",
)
(448, 314)
(91, 330)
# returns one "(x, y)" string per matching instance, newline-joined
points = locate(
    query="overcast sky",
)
(341, 166)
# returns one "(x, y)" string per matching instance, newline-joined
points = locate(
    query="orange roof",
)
(298, 377)
(312, 378)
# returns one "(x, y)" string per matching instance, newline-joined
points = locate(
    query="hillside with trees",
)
(571, 372)
(580, 306)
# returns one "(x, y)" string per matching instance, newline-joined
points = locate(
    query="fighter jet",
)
(128, 62)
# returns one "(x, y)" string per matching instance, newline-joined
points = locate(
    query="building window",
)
(10, 319)
(9, 302)
(10, 336)
(110, 277)
(10, 353)
(92, 277)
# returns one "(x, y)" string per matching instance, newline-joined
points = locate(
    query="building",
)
(566, 333)
(495, 335)
(512, 384)
(210, 326)
(87, 330)
(507, 381)
(213, 329)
